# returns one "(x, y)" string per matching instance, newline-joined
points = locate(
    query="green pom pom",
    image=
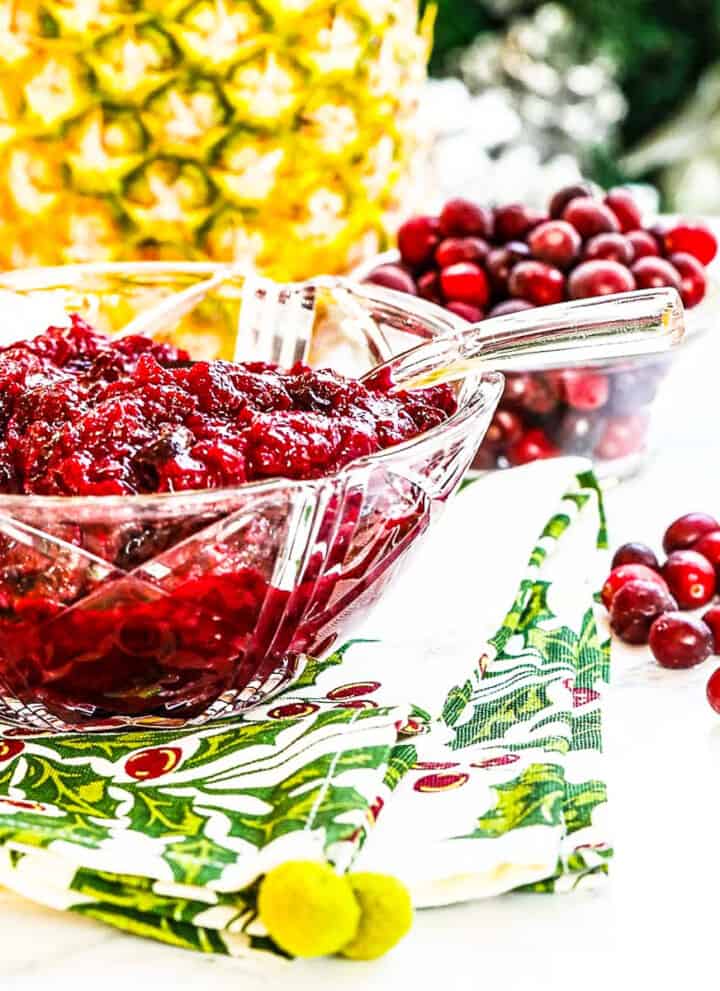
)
(385, 915)
(307, 909)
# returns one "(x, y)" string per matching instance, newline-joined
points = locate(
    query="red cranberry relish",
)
(85, 415)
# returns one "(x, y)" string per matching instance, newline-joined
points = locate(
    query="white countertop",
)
(653, 925)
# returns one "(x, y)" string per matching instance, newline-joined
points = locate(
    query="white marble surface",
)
(654, 924)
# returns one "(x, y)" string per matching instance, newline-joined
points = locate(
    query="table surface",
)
(653, 923)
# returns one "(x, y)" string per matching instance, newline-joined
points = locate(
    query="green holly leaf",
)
(112, 746)
(402, 758)
(491, 720)
(198, 859)
(70, 788)
(237, 738)
(556, 526)
(317, 666)
(581, 801)
(533, 798)
(157, 812)
(593, 661)
(456, 702)
(162, 928)
(558, 646)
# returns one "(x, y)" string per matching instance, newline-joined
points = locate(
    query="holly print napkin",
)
(455, 749)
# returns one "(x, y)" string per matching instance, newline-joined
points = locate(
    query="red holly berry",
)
(152, 763)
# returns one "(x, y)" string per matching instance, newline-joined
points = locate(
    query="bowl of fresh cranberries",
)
(478, 262)
(177, 536)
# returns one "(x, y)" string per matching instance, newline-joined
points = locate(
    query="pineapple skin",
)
(281, 133)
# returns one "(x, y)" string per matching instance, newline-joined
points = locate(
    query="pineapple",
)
(277, 132)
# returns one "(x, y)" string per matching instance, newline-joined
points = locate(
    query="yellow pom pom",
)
(385, 915)
(307, 909)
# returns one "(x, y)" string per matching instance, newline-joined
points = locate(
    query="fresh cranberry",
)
(614, 247)
(461, 249)
(589, 217)
(643, 244)
(693, 283)
(599, 278)
(652, 273)
(460, 217)
(634, 608)
(537, 282)
(428, 286)
(506, 428)
(628, 573)
(512, 222)
(500, 261)
(713, 690)
(533, 446)
(690, 578)
(679, 641)
(711, 618)
(393, 277)
(687, 530)
(692, 237)
(534, 393)
(623, 435)
(417, 240)
(510, 306)
(555, 242)
(585, 390)
(473, 314)
(577, 433)
(563, 196)
(635, 553)
(465, 282)
(623, 205)
(709, 547)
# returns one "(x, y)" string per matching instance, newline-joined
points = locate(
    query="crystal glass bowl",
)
(176, 608)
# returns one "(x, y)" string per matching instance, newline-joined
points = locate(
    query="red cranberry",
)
(709, 547)
(686, 530)
(563, 196)
(465, 282)
(692, 237)
(577, 433)
(713, 690)
(473, 314)
(417, 240)
(614, 247)
(393, 277)
(589, 217)
(460, 249)
(623, 205)
(635, 553)
(506, 428)
(693, 283)
(690, 578)
(622, 435)
(679, 641)
(532, 446)
(533, 393)
(512, 222)
(460, 217)
(585, 390)
(428, 286)
(537, 282)
(643, 244)
(555, 242)
(599, 278)
(652, 273)
(711, 618)
(628, 573)
(634, 608)
(500, 261)
(510, 306)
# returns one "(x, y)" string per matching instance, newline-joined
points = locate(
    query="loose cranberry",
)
(555, 242)
(535, 445)
(628, 573)
(679, 641)
(690, 578)
(500, 261)
(693, 283)
(428, 286)
(585, 390)
(465, 282)
(623, 205)
(460, 217)
(652, 273)
(589, 217)
(635, 553)
(687, 530)
(636, 606)
(417, 240)
(473, 314)
(512, 222)
(599, 278)
(534, 393)
(692, 237)
(643, 244)
(709, 547)
(563, 196)
(510, 306)
(713, 690)
(461, 249)
(537, 282)
(393, 277)
(623, 435)
(614, 247)
(506, 428)
(711, 618)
